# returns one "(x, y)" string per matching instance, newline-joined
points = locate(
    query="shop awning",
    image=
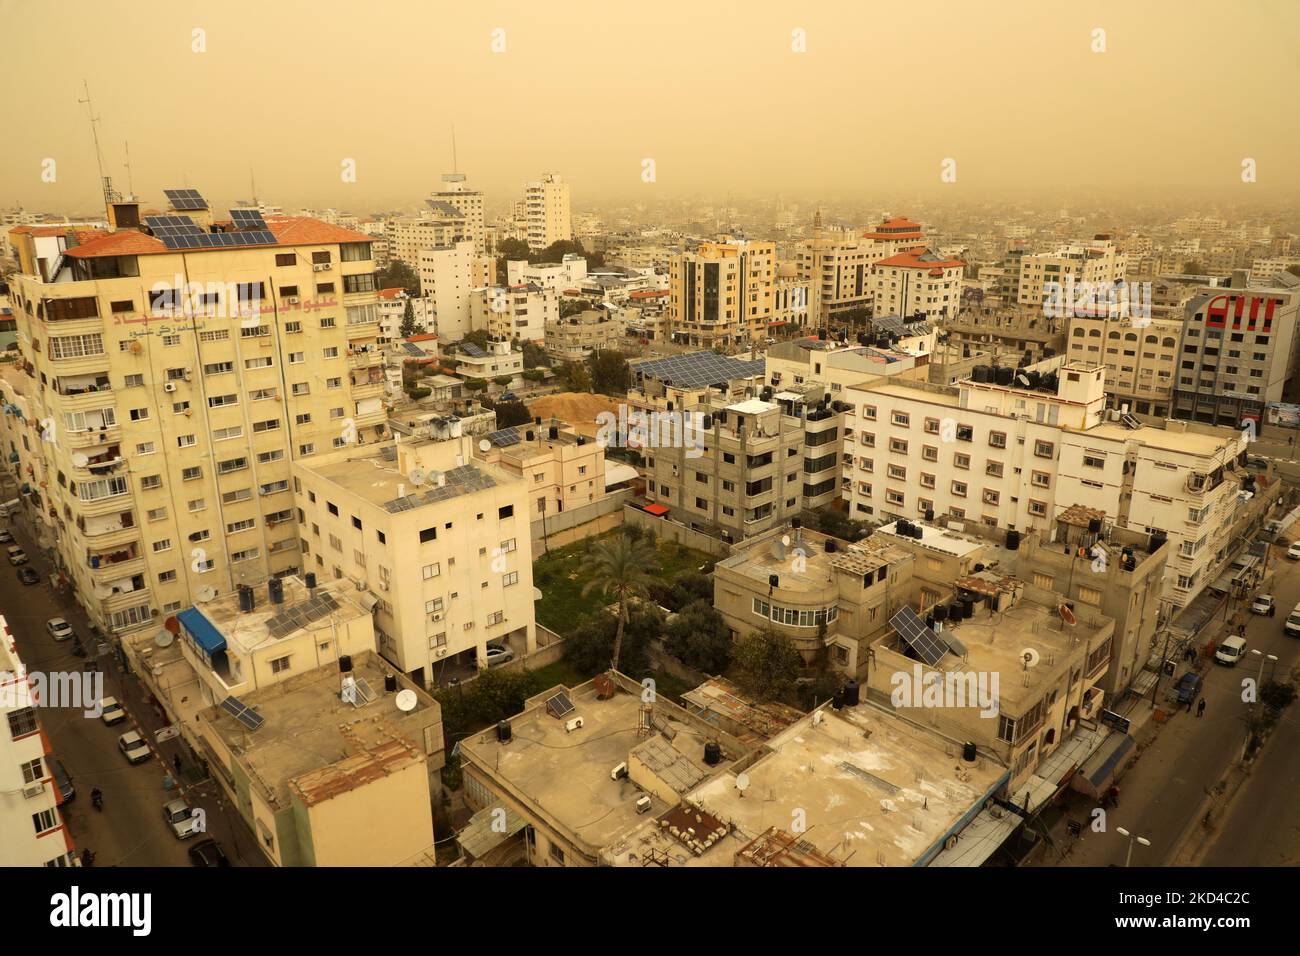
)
(657, 510)
(1100, 769)
(202, 631)
(617, 472)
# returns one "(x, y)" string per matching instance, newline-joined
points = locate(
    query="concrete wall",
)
(582, 522)
(667, 530)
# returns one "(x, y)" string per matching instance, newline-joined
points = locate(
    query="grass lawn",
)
(564, 607)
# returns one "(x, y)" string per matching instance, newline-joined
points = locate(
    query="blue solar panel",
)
(918, 637)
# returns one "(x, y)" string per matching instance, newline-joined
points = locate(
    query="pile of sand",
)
(579, 409)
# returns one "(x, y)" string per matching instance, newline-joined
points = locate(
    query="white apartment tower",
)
(546, 205)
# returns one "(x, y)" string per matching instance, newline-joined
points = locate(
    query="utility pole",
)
(105, 184)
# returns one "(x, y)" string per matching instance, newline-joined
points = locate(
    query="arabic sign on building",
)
(1283, 415)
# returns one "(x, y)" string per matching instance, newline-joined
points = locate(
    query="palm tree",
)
(624, 567)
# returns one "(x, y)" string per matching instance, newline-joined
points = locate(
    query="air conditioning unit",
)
(571, 725)
(383, 585)
(440, 652)
(643, 805)
(34, 789)
(292, 300)
(435, 617)
(187, 374)
(619, 772)
(322, 267)
(169, 386)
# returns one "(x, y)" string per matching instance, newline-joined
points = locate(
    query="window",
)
(998, 439)
(218, 401)
(231, 464)
(901, 418)
(509, 579)
(1044, 449)
(993, 468)
(186, 441)
(285, 258)
(221, 434)
(245, 524)
(262, 362)
(22, 722)
(150, 482)
(45, 820)
(507, 511)
(1094, 461)
(156, 514)
(164, 545)
(279, 665)
(959, 489)
(1089, 595)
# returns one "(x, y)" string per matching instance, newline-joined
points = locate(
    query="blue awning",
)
(1101, 766)
(202, 631)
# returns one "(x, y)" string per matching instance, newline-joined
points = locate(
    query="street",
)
(130, 830)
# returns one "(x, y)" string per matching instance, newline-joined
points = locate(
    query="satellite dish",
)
(742, 782)
(164, 638)
(537, 594)
(484, 445)
(80, 459)
(205, 594)
(1030, 657)
(406, 700)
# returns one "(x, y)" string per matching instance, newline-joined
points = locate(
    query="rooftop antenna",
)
(252, 181)
(455, 168)
(130, 181)
(106, 184)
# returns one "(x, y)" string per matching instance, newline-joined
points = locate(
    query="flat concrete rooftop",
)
(872, 789)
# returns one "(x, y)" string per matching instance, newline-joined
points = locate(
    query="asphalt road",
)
(130, 830)
(1162, 794)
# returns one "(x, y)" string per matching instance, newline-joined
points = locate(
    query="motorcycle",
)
(97, 800)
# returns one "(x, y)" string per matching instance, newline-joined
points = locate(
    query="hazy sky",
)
(711, 91)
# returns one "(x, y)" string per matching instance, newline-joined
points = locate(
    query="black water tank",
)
(1006, 375)
(537, 419)
(390, 683)
(837, 699)
(929, 621)
(967, 608)
(345, 664)
(969, 752)
(830, 545)
(1157, 542)
(553, 432)
(851, 693)
(773, 581)
(529, 435)
(309, 579)
(796, 522)
(980, 374)
(708, 423)
(246, 599)
(503, 732)
(1013, 540)
(978, 568)
(929, 514)
(712, 753)
(275, 590)
(903, 528)
(941, 612)
(918, 532)
(1094, 525)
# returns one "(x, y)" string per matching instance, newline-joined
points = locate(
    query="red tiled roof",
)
(902, 229)
(920, 258)
(423, 337)
(390, 293)
(648, 294)
(288, 231)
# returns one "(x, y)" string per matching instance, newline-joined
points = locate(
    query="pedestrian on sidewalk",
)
(176, 762)
(1200, 708)
(1113, 794)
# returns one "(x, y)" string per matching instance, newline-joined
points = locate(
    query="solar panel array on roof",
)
(243, 713)
(698, 369)
(299, 616)
(413, 349)
(247, 218)
(919, 637)
(505, 437)
(472, 350)
(458, 481)
(185, 199)
(182, 232)
(559, 706)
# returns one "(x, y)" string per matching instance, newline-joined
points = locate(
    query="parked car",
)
(6, 537)
(180, 817)
(1188, 687)
(208, 853)
(1292, 626)
(28, 576)
(62, 779)
(1263, 604)
(1230, 651)
(59, 629)
(16, 555)
(498, 655)
(111, 711)
(1293, 552)
(133, 747)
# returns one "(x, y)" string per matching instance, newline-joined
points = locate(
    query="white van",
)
(1230, 651)
(1292, 626)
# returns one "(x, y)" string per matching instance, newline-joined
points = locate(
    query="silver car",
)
(183, 819)
(133, 747)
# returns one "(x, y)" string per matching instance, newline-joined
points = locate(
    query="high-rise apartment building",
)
(516, 312)
(179, 370)
(457, 193)
(837, 264)
(547, 211)
(1141, 360)
(1100, 263)
(917, 282)
(720, 295)
(443, 226)
(450, 275)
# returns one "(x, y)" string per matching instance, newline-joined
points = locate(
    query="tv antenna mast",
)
(106, 184)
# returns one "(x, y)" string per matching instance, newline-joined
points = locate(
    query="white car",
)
(6, 537)
(133, 747)
(16, 555)
(181, 818)
(1263, 604)
(1230, 651)
(59, 629)
(498, 655)
(1293, 552)
(111, 711)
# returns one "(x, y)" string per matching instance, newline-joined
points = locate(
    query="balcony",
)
(367, 389)
(365, 358)
(93, 437)
(121, 600)
(99, 507)
(125, 561)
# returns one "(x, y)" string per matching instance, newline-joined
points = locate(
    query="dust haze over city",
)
(652, 436)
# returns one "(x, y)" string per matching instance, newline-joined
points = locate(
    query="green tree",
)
(419, 392)
(576, 376)
(622, 568)
(767, 665)
(508, 249)
(478, 337)
(475, 384)
(534, 355)
(590, 647)
(512, 413)
(503, 380)
(398, 274)
(1194, 269)
(610, 374)
(571, 307)
(699, 637)
(408, 321)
